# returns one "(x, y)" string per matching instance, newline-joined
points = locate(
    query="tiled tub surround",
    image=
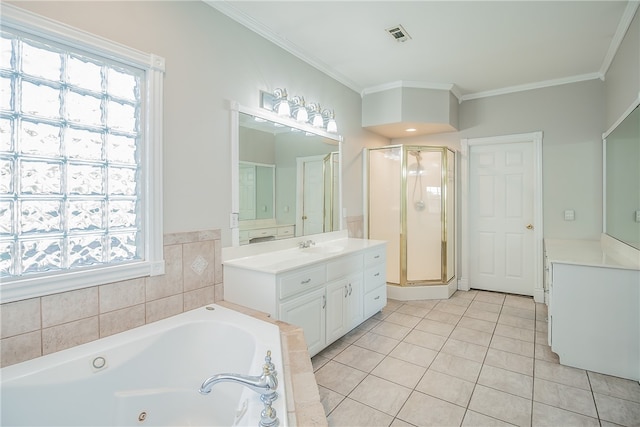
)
(39, 326)
(477, 359)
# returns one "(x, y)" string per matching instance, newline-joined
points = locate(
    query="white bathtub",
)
(151, 376)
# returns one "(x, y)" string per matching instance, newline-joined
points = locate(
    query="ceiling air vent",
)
(398, 33)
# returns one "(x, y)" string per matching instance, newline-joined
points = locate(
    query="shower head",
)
(416, 154)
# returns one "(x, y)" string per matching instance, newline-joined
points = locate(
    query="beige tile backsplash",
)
(39, 326)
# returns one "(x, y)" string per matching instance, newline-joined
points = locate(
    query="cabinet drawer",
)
(291, 284)
(374, 276)
(286, 231)
(375, 256)
(344, 266)
(262, 232)
(374, 301)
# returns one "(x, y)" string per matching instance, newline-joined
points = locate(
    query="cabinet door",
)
(308, 312)
(355, 301)
(337, 294)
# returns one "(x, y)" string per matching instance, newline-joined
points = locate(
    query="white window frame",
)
(151, 162)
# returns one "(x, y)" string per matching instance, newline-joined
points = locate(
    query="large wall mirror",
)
(285, 178)
(622, 180)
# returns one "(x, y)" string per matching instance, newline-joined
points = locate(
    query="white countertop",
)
(586, 252)
(280, 261)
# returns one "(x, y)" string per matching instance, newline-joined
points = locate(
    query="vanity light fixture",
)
(299, 110)
(332, 126)
(282, 103)
(316, 115)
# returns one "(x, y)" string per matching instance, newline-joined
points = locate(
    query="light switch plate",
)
(637, 216)
(569, 215)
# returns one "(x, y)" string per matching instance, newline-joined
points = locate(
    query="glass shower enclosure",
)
(411, 204)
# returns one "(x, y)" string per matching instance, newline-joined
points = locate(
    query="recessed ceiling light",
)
(411, 130)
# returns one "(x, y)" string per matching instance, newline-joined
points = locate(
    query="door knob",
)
(530, 227)
(304, 217)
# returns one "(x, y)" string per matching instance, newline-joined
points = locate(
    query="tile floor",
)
(477, 359)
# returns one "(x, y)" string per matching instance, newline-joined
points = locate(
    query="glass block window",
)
(73, 179)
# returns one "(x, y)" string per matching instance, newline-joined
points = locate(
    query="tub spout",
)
(264, 384)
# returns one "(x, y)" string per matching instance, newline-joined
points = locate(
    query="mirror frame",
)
(635, 104)
(236, 109)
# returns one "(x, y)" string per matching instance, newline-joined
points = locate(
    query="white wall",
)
(211, 59)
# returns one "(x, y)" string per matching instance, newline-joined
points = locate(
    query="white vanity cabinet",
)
(327, 296)
(594, 308)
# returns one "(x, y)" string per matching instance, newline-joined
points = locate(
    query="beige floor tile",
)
(470, 294)
(435, 327)
(338, 377)
(614, 386)
(381, 394)
(329, 399)
(399, 423)
(465, 302)
(503, 406)
(512, 345)
(318, 362)
(442, 316)
(448, 307)
(415, 354)
(475, 419)
(391, 330)
(513, 332)
(393, 304)
(446, 387)
(487, 316)
(509, 361)
(359, 358)
(423, 410)
(518, 301)
(564, 397)
(425, 339)
(490, 297)
(507, 381)
(518, 312)
(464, 349)
(350, 413)
(471, 335)
(425, 303)
(369, 324)
(413, 310)
(354, 335)
(485, 306)
(403, 319)
(400, 372)
(542, 337)
(518, 322)
(334, 349)
(477, 324)
(562, 374)
(465, 369)
(543, 352)
(619, 411)
(378, 343)
(549, 416)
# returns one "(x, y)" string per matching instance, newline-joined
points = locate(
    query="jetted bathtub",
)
(149, 376)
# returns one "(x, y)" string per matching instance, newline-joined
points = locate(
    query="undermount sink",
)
(324, 249)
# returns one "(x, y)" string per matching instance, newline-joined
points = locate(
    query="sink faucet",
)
(306, 244)
(265, 384)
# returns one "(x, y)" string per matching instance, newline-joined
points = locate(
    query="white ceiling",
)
(474, 48)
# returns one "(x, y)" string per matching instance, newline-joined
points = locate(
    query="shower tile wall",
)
(39, 326)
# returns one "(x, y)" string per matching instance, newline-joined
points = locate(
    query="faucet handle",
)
(268, 365)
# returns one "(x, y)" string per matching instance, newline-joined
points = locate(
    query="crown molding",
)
(623, 26)
(531, 86)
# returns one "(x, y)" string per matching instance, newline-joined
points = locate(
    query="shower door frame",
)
(444, 224)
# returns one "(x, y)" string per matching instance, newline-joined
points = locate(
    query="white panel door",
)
(501, 217)
(311, 192)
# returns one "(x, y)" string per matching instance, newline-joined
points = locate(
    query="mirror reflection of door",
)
(311, 193)
(256, 187)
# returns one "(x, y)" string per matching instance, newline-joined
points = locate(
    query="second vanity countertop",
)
(275, 260)
(595, 253)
